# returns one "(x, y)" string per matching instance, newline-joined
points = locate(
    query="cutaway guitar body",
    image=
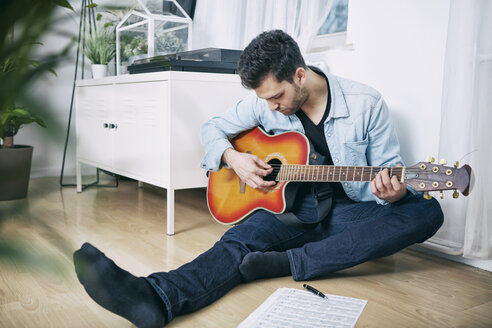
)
(230, 200)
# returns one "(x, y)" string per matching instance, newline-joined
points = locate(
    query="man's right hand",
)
(250, 168)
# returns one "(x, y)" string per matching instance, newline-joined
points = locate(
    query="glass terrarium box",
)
(152, 28)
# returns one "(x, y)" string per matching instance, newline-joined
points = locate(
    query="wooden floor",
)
(38, 287)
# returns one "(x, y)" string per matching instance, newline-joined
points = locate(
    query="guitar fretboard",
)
(332, 173)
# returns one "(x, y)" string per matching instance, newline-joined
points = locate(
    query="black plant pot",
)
(15, 169)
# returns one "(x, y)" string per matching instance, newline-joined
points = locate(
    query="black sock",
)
(118, 290)
(258, 265)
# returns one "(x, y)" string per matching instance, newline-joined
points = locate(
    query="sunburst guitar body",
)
(230, 200)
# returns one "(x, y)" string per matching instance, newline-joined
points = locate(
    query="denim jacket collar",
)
(338, 105)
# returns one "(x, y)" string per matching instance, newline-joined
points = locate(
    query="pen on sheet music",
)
(314, 290)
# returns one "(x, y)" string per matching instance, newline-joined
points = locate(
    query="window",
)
(336, 22)
(333, 32)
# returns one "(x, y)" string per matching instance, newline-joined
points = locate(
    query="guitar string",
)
(337, 166)
(395, 168)
(345, 170)
(301, 165)
(350, 169)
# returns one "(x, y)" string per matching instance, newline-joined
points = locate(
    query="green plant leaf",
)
(100, 46)
(12, 120)
(52, 71)
(63, 3)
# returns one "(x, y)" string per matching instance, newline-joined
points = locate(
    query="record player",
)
(212, 60)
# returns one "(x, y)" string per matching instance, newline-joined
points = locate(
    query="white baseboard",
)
(481, 264)
(55, 172)
(43, 173)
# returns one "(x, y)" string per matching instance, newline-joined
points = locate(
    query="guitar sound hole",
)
(275, 162)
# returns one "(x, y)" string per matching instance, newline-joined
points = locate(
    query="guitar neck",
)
(332, 173)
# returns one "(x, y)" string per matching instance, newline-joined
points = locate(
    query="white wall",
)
(399, 48)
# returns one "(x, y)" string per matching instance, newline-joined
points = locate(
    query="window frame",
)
(325, 42)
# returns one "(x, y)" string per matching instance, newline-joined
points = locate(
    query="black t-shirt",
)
(316, 135)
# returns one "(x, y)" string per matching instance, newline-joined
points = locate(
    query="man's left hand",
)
(386, 188)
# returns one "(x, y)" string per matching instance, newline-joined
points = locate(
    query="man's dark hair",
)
(270, 52)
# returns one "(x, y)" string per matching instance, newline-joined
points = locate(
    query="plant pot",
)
(99, 70)
(15, 170)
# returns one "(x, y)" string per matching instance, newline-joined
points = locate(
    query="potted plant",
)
(100, 48)
(15, 160)
(133, 47)
(110, 17)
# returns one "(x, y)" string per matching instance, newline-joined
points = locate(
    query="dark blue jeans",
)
(353, 233)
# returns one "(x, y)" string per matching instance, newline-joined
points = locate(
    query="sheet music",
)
(295, 308)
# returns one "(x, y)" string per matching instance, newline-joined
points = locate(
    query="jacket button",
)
(313, 156)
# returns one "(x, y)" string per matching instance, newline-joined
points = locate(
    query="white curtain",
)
(232, 24)
(466, 128)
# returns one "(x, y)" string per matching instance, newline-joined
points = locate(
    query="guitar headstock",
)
(428, 176)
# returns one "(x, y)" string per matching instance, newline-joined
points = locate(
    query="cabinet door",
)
(194, 102)
(93, 104)
(139, 143)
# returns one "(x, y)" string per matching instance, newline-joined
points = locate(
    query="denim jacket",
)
(358, 130)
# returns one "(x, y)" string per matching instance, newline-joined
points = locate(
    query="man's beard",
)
(300, 98)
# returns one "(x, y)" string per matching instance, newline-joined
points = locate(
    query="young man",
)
(338, 225)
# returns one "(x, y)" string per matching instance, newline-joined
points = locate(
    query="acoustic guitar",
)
(230, 200)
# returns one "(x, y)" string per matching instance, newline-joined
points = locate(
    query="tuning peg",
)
(427, 196)
(441, 195)
(455, 194)
(442, 161)
(456, 164)
(430, 159)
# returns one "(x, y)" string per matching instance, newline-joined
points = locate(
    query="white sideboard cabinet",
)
(147, 126)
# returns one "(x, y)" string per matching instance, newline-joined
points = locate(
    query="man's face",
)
(284, 97)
